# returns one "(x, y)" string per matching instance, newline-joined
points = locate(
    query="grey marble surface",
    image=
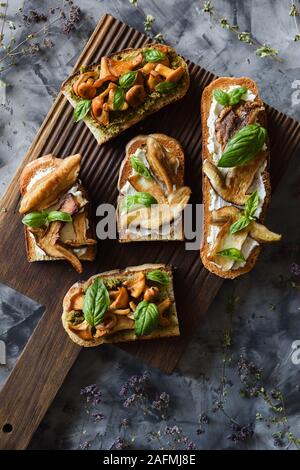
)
(265, 322)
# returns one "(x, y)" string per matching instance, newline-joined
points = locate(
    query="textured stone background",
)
(266, 320)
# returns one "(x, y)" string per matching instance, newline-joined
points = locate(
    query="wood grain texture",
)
(50, 354)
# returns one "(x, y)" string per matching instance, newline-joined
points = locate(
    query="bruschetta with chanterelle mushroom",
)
(125, 87)
(122, 305)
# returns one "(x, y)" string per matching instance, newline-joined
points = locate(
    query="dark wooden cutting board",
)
(49, 354)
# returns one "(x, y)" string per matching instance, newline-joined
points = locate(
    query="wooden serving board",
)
(50, 354)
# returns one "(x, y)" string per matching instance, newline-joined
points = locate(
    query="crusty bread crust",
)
(125, 335)
(103, 134)
(225, 82)
(175, 150)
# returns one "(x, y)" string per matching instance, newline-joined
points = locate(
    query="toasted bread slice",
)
(207, 97)
(120, 121)
(72, 301)
(174, 162)
(50, 179)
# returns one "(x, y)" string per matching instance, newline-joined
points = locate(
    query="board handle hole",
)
(7, 428)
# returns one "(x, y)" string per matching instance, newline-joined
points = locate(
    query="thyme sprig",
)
(294, 12)
(261, 49)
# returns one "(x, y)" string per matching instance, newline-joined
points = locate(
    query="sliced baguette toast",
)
(120, 121)
(48, 179)
(224, 83)
(174, 162)
(73, 302)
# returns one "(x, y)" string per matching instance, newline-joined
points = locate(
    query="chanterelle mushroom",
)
(151, 293)
(136, 95)
(162, 308)
(170, 75)
(136, 285)
(122, 299)
(119, 67)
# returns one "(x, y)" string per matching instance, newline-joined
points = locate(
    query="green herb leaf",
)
(158, 276)
(35, 219)
(119, 98)
(241, 223)
(39, 218)
(146, 318)
(249, 213)
(128, 79)
(58, 215)
(140, 167)
(153, 55)
(229, 98)
(165, 87)
(236, 94)
(251, 205)
(232, 253)
(243, 146)
(142, 198)
(221, 97)
(96, 302)
(81, 109)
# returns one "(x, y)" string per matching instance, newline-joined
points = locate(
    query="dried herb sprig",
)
(261, 49)
(294, 12)
(66, 16)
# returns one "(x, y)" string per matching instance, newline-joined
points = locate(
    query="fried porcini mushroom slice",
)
(80, 230)
(136, 285)
(158, 162)
(119, 67)
(236, 183)
(150, 186)
(162, 308)
(121, 300)
(136, 95)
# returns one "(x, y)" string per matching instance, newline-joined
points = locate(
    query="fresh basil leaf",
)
(39, 218)
(165, 87)
(35, 219)
(142, 198)
(140, 167)
(81, 109)
(96, 302)
(158, 276)
(221, 97)
(119, 98)
(128, 79)
(243, 146)
(153, 55)
(232, 253)
(241, 223)
(251, 205)
(146, 318)
(58, 215)
(236, 94)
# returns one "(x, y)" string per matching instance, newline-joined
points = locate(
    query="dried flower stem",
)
(261, 50)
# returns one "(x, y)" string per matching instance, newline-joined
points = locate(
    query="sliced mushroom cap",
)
(140, 184)
(153, 80)
(136, 95)
(224, 241)
(106, 326)
(136, 285)
(234, 187)
(261, 234)
(158, 162)
(87, 90)
(83, 330)
(121, 300)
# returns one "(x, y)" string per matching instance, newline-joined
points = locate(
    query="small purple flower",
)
(124, 423)
(295, 269)
(92, 394)
(85, 445)
(130, 401)
(121, 444)
(97, 417)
